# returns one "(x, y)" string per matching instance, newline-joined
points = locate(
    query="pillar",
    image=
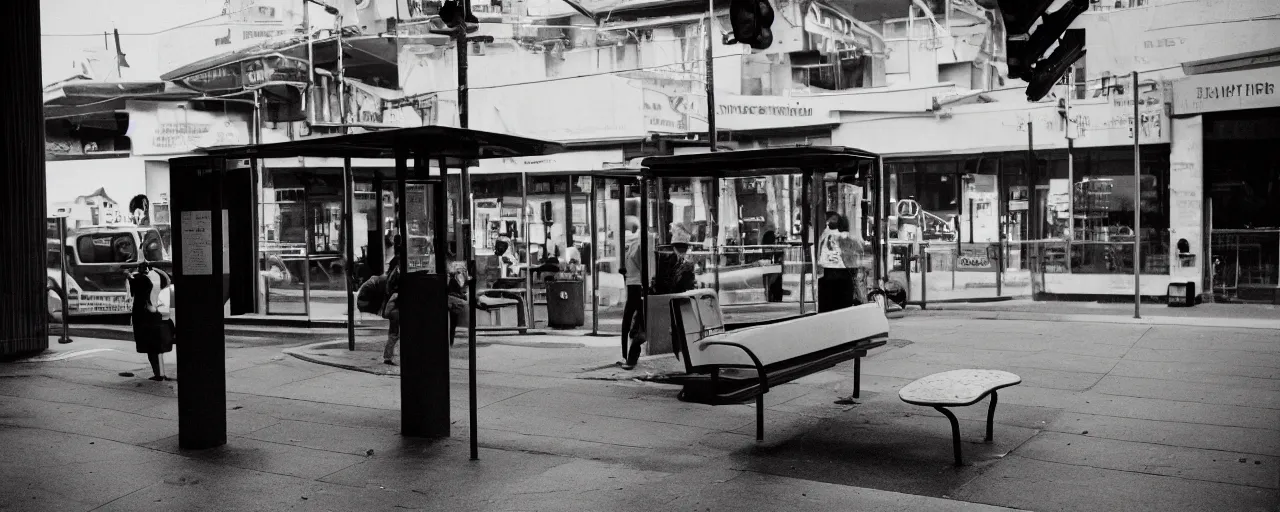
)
(23, 308)
(1186, 204)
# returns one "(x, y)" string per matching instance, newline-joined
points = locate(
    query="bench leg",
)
(760, 417)
(991, 416)
(955, 433)
(857, 376)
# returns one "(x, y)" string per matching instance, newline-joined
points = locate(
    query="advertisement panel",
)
(157, 128)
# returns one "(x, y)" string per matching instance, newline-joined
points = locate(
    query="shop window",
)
(1104, 207)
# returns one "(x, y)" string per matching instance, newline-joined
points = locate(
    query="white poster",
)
(196, 237)
(176, 128)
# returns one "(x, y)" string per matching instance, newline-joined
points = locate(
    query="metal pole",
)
(595, 257)
(1137, 204)
(255, 168)
(62, 258)
(1071, 164)
(308, 238)
(530, 319)
(348, 233)
(806, 179)
(882, 222)
(622, 252)
(311, 63)
(460, 39)
(644, 254)
(342, 76)
(711, 84)
(714, 220)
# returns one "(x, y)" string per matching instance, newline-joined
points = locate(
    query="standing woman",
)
(150, 332)
(840, 256)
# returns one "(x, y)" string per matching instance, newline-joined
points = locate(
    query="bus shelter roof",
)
(755, 162)
(457, 145)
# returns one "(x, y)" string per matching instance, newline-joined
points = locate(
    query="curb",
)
(1225, 323)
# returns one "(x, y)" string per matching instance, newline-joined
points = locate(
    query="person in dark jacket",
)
(152, 334)
(390, 310)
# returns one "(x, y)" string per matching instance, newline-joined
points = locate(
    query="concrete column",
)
(1186, 203)
(23, 309)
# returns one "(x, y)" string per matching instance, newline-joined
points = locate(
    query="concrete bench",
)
(959, 388)
(739, 365)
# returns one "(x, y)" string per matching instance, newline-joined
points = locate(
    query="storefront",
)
(1228, 125)
(983, 202)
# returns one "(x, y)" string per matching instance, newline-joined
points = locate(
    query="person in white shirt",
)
(839, 255)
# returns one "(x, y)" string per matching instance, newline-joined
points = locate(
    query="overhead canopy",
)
(428, 142)
(80, 97)
(284, 62)
(756, 162)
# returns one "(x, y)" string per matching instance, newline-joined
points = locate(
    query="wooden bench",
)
(739, 365)
(959, 388)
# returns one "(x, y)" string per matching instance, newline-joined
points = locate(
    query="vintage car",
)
(98, 260)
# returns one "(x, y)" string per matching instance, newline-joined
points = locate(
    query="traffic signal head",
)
(1027, 42)
(751, 20)
(1048, 71)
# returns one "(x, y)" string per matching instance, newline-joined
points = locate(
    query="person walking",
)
(839, 256)
(631, 314)
(151, 335)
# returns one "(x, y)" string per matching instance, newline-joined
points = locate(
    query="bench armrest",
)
(764, 378)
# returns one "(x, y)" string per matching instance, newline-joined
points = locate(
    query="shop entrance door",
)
(1242, 185)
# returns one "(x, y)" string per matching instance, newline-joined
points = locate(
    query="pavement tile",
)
(1190, 392)
(1223, 357)
(677, 413)
(1171, 433)
(1244, 340)
(1049, 487)
(123, 427)
(1185, 412)
(1187, 463)
(46, 470)
(267, 457)
(1223, 375)
(334, 438)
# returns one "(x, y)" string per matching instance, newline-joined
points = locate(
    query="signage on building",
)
(249, 73)
(765, 112)
(1237, 90)
(157, 128)
(594, 160)
(977, 258)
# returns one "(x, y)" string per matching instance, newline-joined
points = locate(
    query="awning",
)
(284, 63)
(85, 92)
(457, 144)
(755, 162)
(78, 98)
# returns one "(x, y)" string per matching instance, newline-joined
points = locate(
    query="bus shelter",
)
(781, 241)
(215, 222)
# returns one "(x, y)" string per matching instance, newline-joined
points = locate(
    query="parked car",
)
(98, 261)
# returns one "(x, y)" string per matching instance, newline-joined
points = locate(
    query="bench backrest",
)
(777, 343)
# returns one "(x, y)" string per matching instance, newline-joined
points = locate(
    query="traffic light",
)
(751, 20)
(1025, 47)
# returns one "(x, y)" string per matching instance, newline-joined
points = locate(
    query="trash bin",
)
(565, 304)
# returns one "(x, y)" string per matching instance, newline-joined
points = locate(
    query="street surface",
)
(1110, 416)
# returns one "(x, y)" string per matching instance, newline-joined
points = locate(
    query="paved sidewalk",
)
(1109, 417)
(1252, 316)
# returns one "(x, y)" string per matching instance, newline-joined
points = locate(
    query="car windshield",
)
(107, 248)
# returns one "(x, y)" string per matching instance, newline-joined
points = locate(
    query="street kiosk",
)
(215, 246)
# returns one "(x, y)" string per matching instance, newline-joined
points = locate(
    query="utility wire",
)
(156, 33)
